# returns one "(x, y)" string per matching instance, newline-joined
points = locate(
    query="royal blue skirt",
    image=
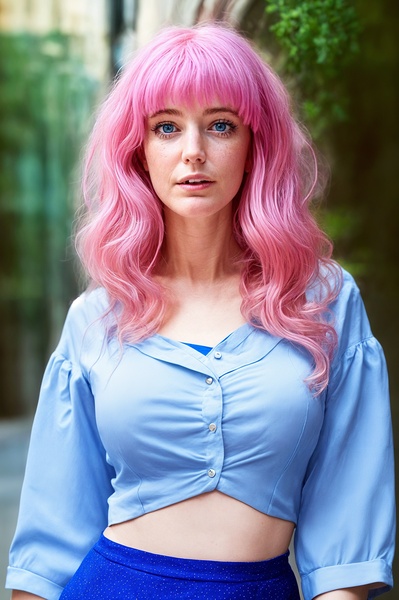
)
(112, 571)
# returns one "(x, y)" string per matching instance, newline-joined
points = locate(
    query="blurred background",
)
(339, 59)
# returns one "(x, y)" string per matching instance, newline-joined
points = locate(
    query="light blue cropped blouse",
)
(120, 434)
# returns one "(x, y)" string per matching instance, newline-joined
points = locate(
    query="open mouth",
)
(194, 181)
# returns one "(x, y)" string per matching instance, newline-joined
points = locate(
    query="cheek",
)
(160, 160)
(237, 169)
(237, 162)
(240, 156)
(155, 165)
(241, 162)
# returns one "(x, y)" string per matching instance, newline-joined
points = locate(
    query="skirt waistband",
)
(187, 568)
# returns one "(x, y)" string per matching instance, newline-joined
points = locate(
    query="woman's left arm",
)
(345, 532)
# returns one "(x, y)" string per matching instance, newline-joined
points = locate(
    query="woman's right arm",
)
(63, 508)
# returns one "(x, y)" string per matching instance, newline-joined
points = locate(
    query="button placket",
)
(212, 414)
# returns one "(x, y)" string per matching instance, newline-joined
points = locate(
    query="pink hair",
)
(285, 252)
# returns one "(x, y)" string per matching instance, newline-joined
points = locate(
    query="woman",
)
(219, 384)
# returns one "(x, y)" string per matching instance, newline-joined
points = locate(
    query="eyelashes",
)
(164, 129)
(222, 127)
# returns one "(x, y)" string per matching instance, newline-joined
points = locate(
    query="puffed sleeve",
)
(346, 526)
(63, 507)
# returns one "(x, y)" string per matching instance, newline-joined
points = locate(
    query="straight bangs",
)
(199, 67)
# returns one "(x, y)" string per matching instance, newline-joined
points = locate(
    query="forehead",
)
(190, 82)
(190, 97)
(171, 90)
(189, 68)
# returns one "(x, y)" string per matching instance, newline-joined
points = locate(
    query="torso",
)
(211, 526)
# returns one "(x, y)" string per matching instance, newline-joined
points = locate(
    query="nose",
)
(193, 150)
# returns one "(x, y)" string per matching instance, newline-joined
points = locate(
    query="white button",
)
(218, 355)
(212, 427)
(211, 472)
(209, 380)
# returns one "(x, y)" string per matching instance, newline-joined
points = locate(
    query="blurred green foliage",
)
(317, 42)
(319, 39)
(360, 143)
(46, 98)
(43, 100)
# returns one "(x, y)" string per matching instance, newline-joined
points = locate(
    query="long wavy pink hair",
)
(285, 252)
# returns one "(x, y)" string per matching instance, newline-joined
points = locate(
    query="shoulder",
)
(358, 355)
(348, 293)
(338, 291)
(87, 324)
(349, 314)
(89, 306)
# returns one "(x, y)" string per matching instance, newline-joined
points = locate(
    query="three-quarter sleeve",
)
(67, 482)
(346, 526)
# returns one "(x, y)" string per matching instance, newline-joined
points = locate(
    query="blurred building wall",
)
(84, 20)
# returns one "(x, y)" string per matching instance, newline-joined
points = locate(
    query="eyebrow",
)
(208, 111)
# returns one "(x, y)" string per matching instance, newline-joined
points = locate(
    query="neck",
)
(199, 250)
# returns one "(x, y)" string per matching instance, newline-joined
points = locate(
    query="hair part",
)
(285, 252)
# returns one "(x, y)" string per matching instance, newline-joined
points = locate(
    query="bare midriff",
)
(211, 526)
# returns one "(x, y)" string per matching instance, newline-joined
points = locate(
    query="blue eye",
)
(221, 127)
(167, 128)
(224, 127)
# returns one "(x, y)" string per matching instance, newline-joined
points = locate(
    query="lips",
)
(194, 180)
